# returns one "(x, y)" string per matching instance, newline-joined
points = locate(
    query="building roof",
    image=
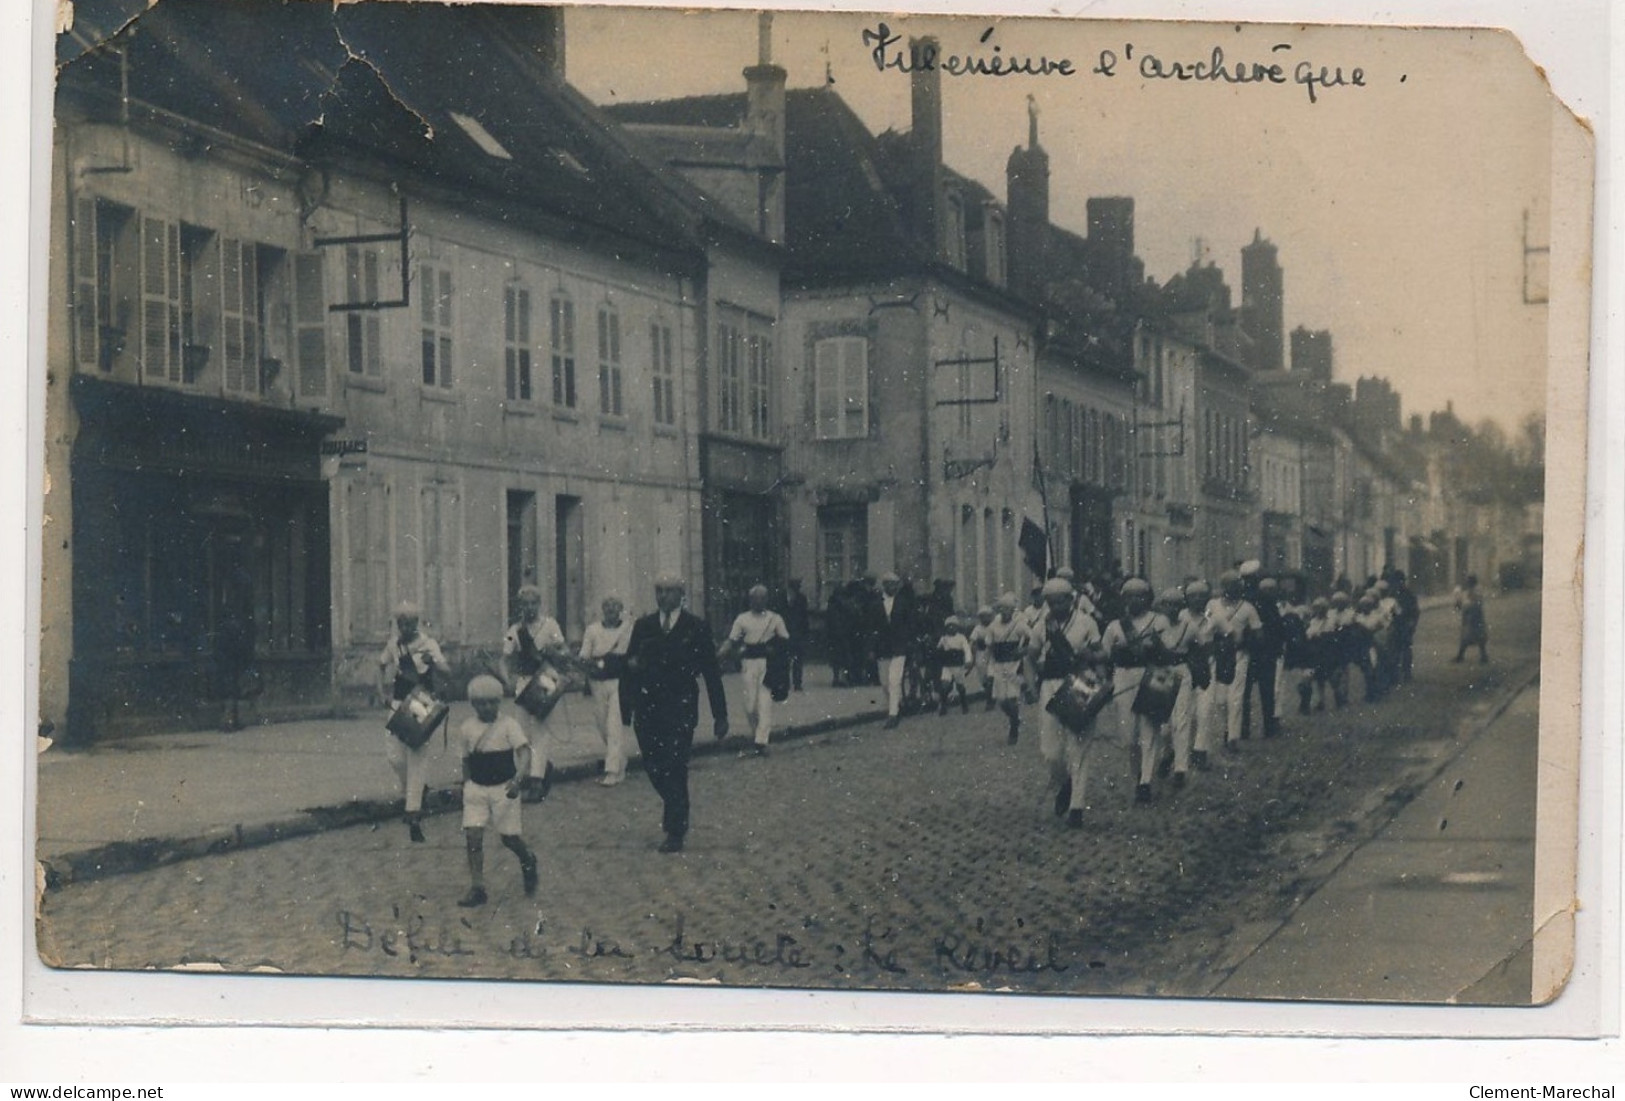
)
(457, 97)
(844, 220)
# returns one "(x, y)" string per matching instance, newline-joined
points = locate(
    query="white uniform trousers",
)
(1185, 724)
(1225, 700)
(758, 700)
(539, 733)
(606, 713)
(1069, 755)
(1146, 745)
(411, 769)
(891, 675)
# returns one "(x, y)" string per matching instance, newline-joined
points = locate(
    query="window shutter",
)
(86, 314)
(827, 387)
(231, 314)
(309, 325)
(855, 389)
(160, 305)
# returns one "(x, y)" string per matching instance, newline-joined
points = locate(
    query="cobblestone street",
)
(922, 858)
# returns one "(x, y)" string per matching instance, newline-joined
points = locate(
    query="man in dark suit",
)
(669, 649)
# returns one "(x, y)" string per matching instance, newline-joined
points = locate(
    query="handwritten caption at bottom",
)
(874, 950)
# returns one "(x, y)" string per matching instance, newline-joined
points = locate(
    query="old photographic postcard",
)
(610, 499)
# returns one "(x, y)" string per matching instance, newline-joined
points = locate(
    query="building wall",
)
(452, 461)
(890, 480)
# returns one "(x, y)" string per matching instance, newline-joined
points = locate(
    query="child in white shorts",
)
(496, 757)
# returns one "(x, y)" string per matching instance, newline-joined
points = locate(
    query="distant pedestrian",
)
(534, 651)
(798, 620)
(411, 660)
(755, 632)
(1405, 624)
(1474, 630)
(670, 647)
(495, 755)
(603, 652)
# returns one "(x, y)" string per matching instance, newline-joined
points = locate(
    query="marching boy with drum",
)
(534, 654)
(1145, 678)
(406, 682)
(1064, 652)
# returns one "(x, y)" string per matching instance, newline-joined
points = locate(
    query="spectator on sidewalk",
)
(798, 621)
(1405, 624)
(893, 623)
(603, 652)
(495, 755)
(410, 660)
(1474, 630)
(533, 647)
(670, 647)
(754, 633)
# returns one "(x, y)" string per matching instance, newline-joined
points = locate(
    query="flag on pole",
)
(1034, 538)
(1034, 547)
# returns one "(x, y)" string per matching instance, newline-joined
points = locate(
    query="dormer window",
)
(997, 270)
(480, 136)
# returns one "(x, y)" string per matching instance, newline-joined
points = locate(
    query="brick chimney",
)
(925, 97)
(1026, 176)
(764, 118)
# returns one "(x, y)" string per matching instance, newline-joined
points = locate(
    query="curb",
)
(125, 857)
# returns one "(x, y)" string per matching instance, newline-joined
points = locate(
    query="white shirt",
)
(755, 628)
(599, 640)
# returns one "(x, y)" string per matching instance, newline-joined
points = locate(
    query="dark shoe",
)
(964, 706)
(1165, 766)
(1063, 799)
(414, 830)
(476, 897)
(1199, 759)
(761, 751)
(1015, 732)
(1074, 819)
(1272, 729)
(1179, 780)
(545, 785)
(527, 872)
(1142, 793)
(1303, 699)
(1232, 748)
(672, 844)
(990, 704)
(890, 723)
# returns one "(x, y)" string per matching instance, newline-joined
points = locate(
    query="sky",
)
(1397, 207)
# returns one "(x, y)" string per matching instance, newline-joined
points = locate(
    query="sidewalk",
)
(127, 805)
(1437, 907)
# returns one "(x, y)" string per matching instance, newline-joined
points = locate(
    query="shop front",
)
(201, 561)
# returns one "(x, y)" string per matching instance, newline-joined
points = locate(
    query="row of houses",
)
(361, 304)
